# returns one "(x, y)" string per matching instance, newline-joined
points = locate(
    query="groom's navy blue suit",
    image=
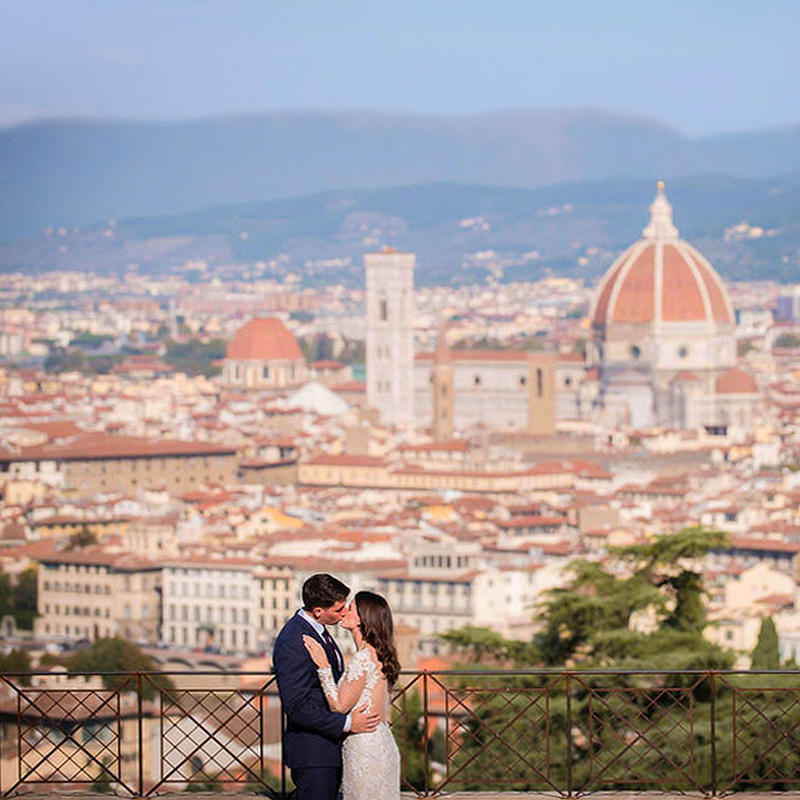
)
(312, 742)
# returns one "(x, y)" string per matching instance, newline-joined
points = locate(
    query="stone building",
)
(458, 390)
(663, 339)
(390, 339)
(93, 592)
(97, 463)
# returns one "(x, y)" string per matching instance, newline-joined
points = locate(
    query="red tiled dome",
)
(264, 340)
(736, 381)
(661, 278)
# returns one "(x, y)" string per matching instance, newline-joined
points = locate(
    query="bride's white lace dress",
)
(370, 761)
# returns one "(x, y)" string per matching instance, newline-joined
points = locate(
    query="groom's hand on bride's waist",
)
(363, 721)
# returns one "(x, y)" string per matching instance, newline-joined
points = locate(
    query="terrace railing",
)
(565, 732)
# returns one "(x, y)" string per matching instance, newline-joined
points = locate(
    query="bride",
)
(370, 761)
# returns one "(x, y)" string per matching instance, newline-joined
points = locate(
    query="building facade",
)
(390, 338)
(96, 463)
(92, 593)
(211, 605)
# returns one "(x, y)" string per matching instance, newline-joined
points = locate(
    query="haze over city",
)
(493, 310)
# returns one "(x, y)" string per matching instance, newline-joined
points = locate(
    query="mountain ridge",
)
(459, 232)
(74, 172)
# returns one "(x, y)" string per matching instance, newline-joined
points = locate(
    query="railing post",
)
(425, 722)
(261, 723)
(140, 732)
(568, 684)
(713, 690)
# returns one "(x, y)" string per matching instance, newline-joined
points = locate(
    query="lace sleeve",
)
(344, 695)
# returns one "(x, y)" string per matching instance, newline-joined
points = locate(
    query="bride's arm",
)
(343, 696)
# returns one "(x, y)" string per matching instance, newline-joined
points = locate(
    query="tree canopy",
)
(115, 654)
(19, 598)
(766, 654)
(641, 607)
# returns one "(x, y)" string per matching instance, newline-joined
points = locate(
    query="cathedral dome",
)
(266, 339)
(661, 279)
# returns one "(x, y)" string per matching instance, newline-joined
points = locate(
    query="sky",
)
(699, 66)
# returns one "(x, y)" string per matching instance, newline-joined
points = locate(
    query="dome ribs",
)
(635, 300)
(682, 299)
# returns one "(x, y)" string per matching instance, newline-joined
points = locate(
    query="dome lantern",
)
(661, 226)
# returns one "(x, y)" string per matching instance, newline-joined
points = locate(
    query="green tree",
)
(639, 610)
(6, 600)
(484, 646)
(83, 537)
(102, 783)
(203, 783)
(195, 357)
(17, 661)
(593, 619)
(61, 359)
(115, 654)
(787, 341)
(766, 654)
(25, 599)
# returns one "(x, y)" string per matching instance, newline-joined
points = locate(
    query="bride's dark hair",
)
(377, 629)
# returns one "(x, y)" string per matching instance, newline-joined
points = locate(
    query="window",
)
(635, 351)
(683, 352)
(476, 380)
(265, 372)
(539, 382)
(522, 380)
(384, 311)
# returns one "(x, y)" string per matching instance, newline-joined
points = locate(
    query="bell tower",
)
(390, 338)
(443, 400)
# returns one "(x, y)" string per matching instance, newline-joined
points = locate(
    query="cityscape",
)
(505, 337)
(189, 442)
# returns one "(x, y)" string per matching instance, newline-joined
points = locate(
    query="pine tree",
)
(765, 653)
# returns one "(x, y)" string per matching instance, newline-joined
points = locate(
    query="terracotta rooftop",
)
(736, 381)
(103, 445)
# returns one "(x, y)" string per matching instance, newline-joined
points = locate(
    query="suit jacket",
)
(314, 733)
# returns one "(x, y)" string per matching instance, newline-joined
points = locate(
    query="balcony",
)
(563, 733)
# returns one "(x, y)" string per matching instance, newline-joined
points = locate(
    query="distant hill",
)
(67, 173)
(458, 232)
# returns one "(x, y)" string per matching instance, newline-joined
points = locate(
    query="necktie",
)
(331, 646)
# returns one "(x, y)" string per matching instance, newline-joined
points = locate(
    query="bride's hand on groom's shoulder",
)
(316, 651)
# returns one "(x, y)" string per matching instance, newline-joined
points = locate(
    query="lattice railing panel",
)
(210, 734)
(641, 738)
(68, 736)
(497, 737)
(763, 735)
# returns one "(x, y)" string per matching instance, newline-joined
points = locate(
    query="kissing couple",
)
(337, 716)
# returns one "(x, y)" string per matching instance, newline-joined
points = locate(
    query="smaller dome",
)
(266, 339)
(736, 381)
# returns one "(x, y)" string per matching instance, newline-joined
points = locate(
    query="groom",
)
(312, 742)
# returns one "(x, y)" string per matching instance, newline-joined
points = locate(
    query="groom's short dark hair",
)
(323, 591)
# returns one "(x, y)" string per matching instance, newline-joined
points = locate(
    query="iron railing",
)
(569, 732)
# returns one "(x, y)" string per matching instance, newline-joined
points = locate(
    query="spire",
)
(443, 354)
(660, 226)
